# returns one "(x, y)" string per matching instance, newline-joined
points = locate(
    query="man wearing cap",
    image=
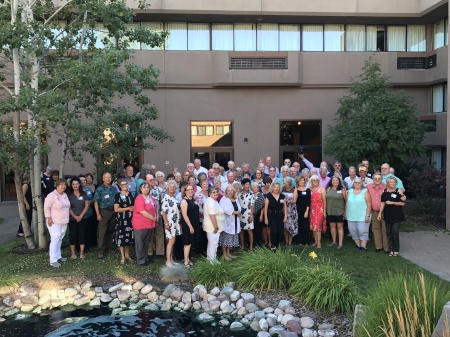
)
(376, 189)
(362, 170)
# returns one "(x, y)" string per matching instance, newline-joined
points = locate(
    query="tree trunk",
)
(22, 210)
(63, 155)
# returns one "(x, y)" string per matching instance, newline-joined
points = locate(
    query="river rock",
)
(128, 312)
(138, 285)
(289, 310)
(11, 312)
(227, 310)
(222, 297)
(276, 330)
(180, 305)
(215, 291)
(209, 297)
(254, 325)
(205, 305)
(61, 294)
(214, 305)
(251, 307)
(153, 296)
(123, 295)
(262, 304)
(326, 333)
(81, 301)
(263, 334)
(227, 291)
(127, 287)
(5, 290)
(263, 324)
(166, 306)
(115, 303)
(30, 299)
(323, 326)
(235, 295)
(116, 311)
(237, 326)
(196, 305)
(195, 296)
(288, 334)
(116, 287)
(27, 308)
(187, 297)
(286, 318)
(70, 292)
(176, 294)
(95, 302)
(106, 298)
(245, 322)
(268, 310)
(56, 302)
(242, 311)
(98, 290)
(169, 288)
(307, 333)
(86, 284)
(283, 304)
(248, 298)
(28, 289)
(224, 304)
(240, 303)
(187, 306)
(294, 326)
(146, 289)
(272, 320)
(250, 316)
(9, 301)
(259, 314)
(152, 307)
(310, 314)
(90, 294)
(54, 293)
(306, 322)
(202, 291)
(278, 312)
(205, 317)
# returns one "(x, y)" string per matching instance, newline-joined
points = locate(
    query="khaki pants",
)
(158, 239)
(379, 232)
(106, 229)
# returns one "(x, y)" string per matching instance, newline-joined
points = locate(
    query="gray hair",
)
(288, 180)
(159, 173)
(253, 184)
(284, 167)
(323, 168)
(145, 169)
(172, 182)
(314, 177)
(217, 179)
(306, 170)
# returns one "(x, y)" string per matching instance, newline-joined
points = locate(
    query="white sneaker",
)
(55, 264)
(63, 259)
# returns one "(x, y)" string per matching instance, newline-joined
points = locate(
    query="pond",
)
(99, 322)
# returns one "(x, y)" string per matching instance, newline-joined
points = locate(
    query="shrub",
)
(405, 308)
(213, 274)
(174, 274)
(265, 269)
(325, 288)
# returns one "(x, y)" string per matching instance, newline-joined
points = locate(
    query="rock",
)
(227, 291)
(128, 312)
(29, 290)
(27, 308)
(230, 284)
(326, 333)
(55, 302)
(262, 304)
(251, 307)
(106, 298)
(224, 322)
(115, 303)
(245, 322)
(215, 291)
(286, 318)
(254, 325)
(237, 326)
(307, 333)
(306, 322)
(30, 299)
(276, 330)
(127, 287)
(259, 314)
(323, 326)
(81, 301)
(116, 311)
(70, 292)
(116, 287)
(202, 292)
(240, 303)
(152, 307)
(169, 288)
(222, 298)
(146, 289)
(133, 299)
(268, 310)
(187, 306)
(310, 314)
(227, 310)
(43, 292)
(250, 316)
(123, 295)
(210, 297)
(195, 296)
(90, 294)
(289, 310)
(214, 305)
(235, 295)
(248, 298)
(95, 302)
(97, 290)
(283, 304)
(138, 285)
(294, 326)
(86, 284)
(288, 334)
(272, 320)
(9, 301)
(2, 319)
(278, 312)
(153, 296)
(224, 304)
(187, 297)
(134, 306)
(242, 311)
(196, 305)
(205, 305)
(61, 294)
(176, 294)
(263, 324)
(54, 293)
(166, 306)
(263, 334)
(11, 312)
(205, 317)
(6, 290)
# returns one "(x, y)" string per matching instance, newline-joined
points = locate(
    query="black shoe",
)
(378, 250)
(146, 263)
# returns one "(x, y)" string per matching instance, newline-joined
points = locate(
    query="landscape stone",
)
(168, 290)
(9, 301)
(294, 326)
(166, 306)
(323, 326)
(214, 305)
(263, 334)
(278, 312)
(123, 295)
(276, 330)
(56, 302)
(288, 334)
(30, 299)
(263, 324)
(196, 305)
(237, 326)
(248, 298)
(306, 322)
(228, 309)
(97, 290)
(115, 303)
(245, 322)
(115, 288)
(272, 320)
(254, 325)
(289, 310)
(222, 297)
(106, 298)
(95, 302)
(28, 289)
(224, 322)
(128, 312)
(286, 318)
(227, 291)
(262, 304)
(187, 297)
(86, 284)
(70, 292)
(54, 293)
(152, 307)
(61, 294)
(205, 317)
(202, 292)
(242, 311)
(224, 304)
(11, 312)
(259, 314)
(268, 310)
(90, 294)
(153, 296)
(235, 295)
(127, 287)
(240, 303)
(307, 333)
(326, 333)
(176, 294)
(138, 285)
(5, 290)
(250, 316)
(195, 296)
(146, 289)
(116, 311)
(283, 304)
(215, 291)
(27, 308)
(187, 306)
(251, 307)
(81, 301)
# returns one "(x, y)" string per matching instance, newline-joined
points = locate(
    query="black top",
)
(193, 213)
(124, 201)
(236, 219)
(77, 204)
(392, 213)
(28, 196)
(274, 204)
(303, 200)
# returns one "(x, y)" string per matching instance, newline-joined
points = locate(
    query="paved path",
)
(10, 214)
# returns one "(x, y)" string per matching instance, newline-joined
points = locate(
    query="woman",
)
(217, 183)
(213, 223)
(258, 215)
(258, 177)
(123, 234)
(56, 209)
(79, 206)
(303, 205)
(171, 218)
(91, 234)
(359, 207)
(200, 199)
(275, 214)
(161, 183)
(392, 202)
(273, 173)
(144, 221)
(28, 201)
(306, 173)
(201, 176)
(266, 188)
(317, 213)
(190, 224)
(247, 210)
(229, 237)
(291, 225)
(193, 182)
(284, 172)
(336, 196)
(90, 214)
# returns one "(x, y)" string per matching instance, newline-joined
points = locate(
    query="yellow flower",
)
(312, 255)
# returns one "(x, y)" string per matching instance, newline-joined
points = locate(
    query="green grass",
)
(213, 274)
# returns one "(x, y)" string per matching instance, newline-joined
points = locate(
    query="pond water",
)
(99, 322)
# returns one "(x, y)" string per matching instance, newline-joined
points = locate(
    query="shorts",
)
(335, 218)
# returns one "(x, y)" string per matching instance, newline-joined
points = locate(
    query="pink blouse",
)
(141, 204)
(56, 206)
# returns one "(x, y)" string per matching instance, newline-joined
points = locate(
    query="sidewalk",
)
(10, 214)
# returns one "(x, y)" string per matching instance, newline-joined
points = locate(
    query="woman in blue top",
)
(358, 214)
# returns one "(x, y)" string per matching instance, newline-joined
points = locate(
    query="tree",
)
(374, 122)
(51, 55)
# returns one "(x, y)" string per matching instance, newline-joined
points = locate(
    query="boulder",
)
(235, 295)
(294, 326)
(306, 322)
(286, 318)
(215, 291)
(168, 290)
(248, 298)
(70, 292)
(237, 326)
(86, 284)
(146, 289)
(116, 287)
(263, 324)
(123, 295)
(127, 287)
(187, 297)
(262, 304)
(29, 290)
(138, 285)
(176, 294)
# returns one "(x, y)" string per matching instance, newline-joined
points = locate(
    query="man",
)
(157, 242)
(129, 171)
(210, 177)
(190, 168)
(351, 177)
(293, 174)
(268, 165)
(287, 162)
(216, 168)
(261, 167)
(246, 168)
(144, 170)
(365, 162)
(311, 166)
(324, 179)
(386, 174)
(376, 189)
(238, 174)
(230, 181)
(47, 181)
(152, 170)
(230, 165)
(198, 167)
(337, 168)
(362, 174)
(296, 165)
(178, 180)
(104, 207)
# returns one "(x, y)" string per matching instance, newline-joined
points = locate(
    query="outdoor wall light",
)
(245, 140)
(60, 141)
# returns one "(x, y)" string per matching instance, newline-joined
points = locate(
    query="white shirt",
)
(201, 169)
(211, 206)
(225, 185)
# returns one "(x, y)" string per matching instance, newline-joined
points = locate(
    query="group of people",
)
(207, 208)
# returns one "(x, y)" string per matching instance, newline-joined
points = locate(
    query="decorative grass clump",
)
(264, 269)
(174, 274)
(400, 307)
(213, 274)
(325, 287)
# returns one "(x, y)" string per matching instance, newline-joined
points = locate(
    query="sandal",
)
(339, 247)
(122, 261)
(395, 254)
(73, 257)
(82, 256)
(391, 254)
(332, 244)
(128, 259)
(188, 265)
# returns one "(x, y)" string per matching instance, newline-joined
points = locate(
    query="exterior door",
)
(209, 156)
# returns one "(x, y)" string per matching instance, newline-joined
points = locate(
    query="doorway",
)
(209, 156)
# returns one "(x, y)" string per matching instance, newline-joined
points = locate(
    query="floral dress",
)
(246, 201)
(169, 205)
(291, 225)
(200, 200)
(316, 219)
(123, 234)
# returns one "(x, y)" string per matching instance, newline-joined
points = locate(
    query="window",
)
(416, 38)
(202, 134)
(244, 37)
(375, 38)
(356, 38)
(153, 26)
(198, 36)
(439, 93)
(177, 39)
(396, 38)
(222, 36)
(312, 37)
(267, 37)
(289, 37)
(439, 34)
(133, 45)
(222, 129)
(334, 37)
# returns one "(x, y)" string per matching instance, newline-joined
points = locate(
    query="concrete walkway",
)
(10, 215)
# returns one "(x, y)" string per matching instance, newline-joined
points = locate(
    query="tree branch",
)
(56, 12)
(7, 89)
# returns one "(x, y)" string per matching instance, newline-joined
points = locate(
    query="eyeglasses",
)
(123, 184)
(150, 179)
(189, 189)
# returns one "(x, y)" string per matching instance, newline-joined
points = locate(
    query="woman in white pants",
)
(56, 208)
(213, 222)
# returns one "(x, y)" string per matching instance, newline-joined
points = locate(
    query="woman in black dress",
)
(28, 201)
(392, 202)
(123, 234)
(303, 203)
(275, 214)
(190, 223)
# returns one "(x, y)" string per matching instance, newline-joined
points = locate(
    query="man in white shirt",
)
(230, 181)
(351, 176)
(216, 168)
(199, 168)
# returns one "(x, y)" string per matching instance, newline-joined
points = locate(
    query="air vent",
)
(416, 62)
(258, 63)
